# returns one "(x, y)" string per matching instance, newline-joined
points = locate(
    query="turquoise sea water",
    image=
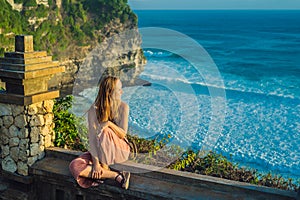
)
(258, 56)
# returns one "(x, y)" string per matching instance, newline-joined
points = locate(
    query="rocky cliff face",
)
(119, 53)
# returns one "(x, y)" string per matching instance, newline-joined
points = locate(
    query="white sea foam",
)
(160, 71)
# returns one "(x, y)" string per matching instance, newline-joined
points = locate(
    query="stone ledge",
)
(152, 182)
(15, 177)
(27, 100)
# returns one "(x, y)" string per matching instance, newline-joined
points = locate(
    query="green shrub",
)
(19, 1)
(68, 127)
(217, 165)
(29, 3)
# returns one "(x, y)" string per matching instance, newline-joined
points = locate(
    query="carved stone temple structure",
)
(26, 126)
(26, 73)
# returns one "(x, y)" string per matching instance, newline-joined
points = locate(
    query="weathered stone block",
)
(32, 109)
(14, 142)
(27, 87)
(34, 134)
(37, 120)
(24, 43)
(48, 141)
(41, 155)
(5, 109)
(17, 110)
(1, 122)
(13, 131)
(39, 106)
(27, 100)
(24, 144)
(22, 168)
(34, 149)
(20, 121)
(5, 150)
(24, 133)
(8, 164)
(23, 155)
(48, 105)
(45, 130)
(4, 139)
(8, 121)
(42, 140)
(14, 153)
(48, 118)
(4, 131)
(32, 160)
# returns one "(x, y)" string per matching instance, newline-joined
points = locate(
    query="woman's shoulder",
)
(92, 109)
(124, 106)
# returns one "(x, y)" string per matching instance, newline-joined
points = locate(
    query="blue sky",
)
(214, 4)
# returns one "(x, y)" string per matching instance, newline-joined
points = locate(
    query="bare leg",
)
(105, 166)
(87, 172)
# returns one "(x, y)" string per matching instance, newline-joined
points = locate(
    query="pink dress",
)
(104, 144)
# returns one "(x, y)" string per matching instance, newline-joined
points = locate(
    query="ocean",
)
(244, 104)
(222, 80)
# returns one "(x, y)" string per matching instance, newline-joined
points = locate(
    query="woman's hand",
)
(97, 171)
(117, 130)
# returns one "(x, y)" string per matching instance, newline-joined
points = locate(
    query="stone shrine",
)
(26, 106)
(26, 73)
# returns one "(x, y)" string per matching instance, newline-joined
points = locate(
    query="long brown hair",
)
(106, 105)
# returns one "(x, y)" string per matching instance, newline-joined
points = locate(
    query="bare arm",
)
(122, 127)
(92, 131)
(93, 128)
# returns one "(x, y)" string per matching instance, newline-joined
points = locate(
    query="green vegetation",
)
(217, 165)
(75, 23)
(68, 126)
(71, 133)
(156, 152)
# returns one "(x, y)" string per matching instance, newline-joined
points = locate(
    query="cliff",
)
(72, 30)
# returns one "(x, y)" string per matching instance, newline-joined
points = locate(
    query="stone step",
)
(25, 61)
(28, 67)
(10, 194)
(4, 73)
(25, 55)
(27, 100)
(27, 87)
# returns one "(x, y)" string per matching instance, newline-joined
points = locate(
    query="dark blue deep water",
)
(224, 80)
(257, 54)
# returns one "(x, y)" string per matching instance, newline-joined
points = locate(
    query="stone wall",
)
(25, 131)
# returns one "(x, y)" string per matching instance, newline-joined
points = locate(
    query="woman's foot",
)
(123, 179)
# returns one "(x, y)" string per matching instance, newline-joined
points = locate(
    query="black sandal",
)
(125, 179)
